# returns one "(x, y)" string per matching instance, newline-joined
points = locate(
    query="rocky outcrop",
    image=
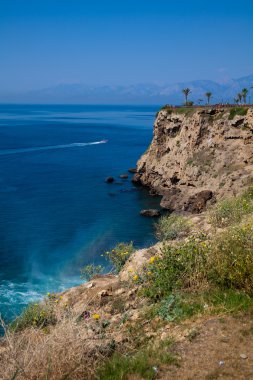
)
(197, 156)
(151, 213)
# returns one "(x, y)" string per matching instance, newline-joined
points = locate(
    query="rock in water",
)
(132, 170)
(152, 213)
(124, 176)
(137, 179)
(109, 180)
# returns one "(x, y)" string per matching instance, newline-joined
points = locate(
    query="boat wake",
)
(49, 147)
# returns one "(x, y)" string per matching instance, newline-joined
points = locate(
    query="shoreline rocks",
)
(151, 213)
(124, 176)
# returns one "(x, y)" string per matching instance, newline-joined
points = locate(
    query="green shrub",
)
(178, 307)
(180, 266)
(241, 111)
(172, 227)
(227, 301)
(231, 258)
(143, 363)
(91, 270)
(231, 211)
(36, 315)
(187, 111)
(119, 255)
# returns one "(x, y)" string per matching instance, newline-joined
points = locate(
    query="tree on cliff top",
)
(208, 95)
(186, 92)
(244, 94)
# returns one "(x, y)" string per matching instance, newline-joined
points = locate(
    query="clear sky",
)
(47, 42)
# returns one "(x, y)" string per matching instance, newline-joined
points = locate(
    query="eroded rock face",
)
(197, 158)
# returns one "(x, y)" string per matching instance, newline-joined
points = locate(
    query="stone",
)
(120, 291)
(151, 213)
(124, 176)
(132, 170)
(243, 356)
(109, 180)
(136, 179)
(90, 285)
(197, 202)
(103, 293)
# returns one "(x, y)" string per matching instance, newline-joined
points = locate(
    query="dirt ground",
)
(218, 348)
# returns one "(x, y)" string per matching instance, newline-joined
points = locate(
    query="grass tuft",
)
(171, 227)
(241, 111)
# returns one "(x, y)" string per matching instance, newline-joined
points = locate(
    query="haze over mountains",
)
(146, 93)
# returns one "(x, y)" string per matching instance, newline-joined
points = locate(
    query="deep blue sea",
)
(56, 211)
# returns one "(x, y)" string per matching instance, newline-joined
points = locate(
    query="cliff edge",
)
(197, 156)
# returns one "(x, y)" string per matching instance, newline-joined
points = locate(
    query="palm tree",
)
(239, 97)
(208, 95)
(186, 92)
(244, 94)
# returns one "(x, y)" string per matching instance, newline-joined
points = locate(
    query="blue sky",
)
(44, 43)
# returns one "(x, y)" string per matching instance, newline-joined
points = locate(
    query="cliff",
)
(197, 156)
(181, 309)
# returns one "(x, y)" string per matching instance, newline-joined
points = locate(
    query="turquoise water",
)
(56, 211)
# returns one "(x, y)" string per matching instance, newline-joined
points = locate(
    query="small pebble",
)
(221, 362)
(243, 356)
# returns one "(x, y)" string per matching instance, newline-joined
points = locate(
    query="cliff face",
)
(197, 156)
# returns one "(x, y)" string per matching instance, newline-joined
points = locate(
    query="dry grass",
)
(66, 352)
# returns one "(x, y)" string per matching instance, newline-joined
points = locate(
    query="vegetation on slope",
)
(196, 273)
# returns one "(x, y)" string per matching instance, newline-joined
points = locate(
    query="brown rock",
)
(152, 213)
(192, 160)
(124, 176)
(136, 179)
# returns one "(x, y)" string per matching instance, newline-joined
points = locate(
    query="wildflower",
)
(136, 277)
(130, 270)
(152, 259)
(96, 316)
(149, 273)
(48, 294)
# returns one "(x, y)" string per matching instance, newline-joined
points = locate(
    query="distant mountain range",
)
(134, 94)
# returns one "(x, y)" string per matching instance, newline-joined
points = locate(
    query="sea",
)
(57, 213)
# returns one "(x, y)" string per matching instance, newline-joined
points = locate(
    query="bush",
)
(241, 111)
(177, 307)
(172, 227)
(231, 258)
(37, 315)
(180, 266)
(91, 270)
(119, 255)
(231, 211)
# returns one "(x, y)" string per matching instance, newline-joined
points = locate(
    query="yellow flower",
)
(136, 277)
(96, 316)
(130, 270)
(152, 259)
(149, 273)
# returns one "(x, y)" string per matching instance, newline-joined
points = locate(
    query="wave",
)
(49, 147)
